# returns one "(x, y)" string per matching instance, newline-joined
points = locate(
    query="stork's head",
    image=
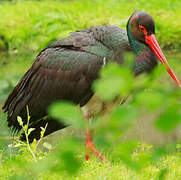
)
(142, 27)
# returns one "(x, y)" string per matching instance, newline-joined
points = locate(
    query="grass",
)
(21, 166)
(32, 24)
(28, 27)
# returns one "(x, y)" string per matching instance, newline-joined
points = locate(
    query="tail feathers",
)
(16, 102)
(52, 126)
(16, 92)
(13, 122)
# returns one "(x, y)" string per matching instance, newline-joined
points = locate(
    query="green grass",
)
(28, 26)
(21, 166)
(32, 24)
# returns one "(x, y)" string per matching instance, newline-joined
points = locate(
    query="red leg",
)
(90, 147)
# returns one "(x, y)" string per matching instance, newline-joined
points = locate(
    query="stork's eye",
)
(143, 29)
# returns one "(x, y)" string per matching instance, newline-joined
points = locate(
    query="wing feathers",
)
(65, 70)
(54, 78)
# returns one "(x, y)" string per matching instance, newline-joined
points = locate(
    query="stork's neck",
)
(145, 59)
(136, 46)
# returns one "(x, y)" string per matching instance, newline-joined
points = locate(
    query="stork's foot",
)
(91, 149)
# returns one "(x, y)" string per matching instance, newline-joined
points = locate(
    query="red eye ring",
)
(142, 29)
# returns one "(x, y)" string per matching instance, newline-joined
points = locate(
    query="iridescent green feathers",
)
(103, 41)
(65, 70)
(145, 59)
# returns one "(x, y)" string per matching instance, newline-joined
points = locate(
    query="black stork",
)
(66, 69)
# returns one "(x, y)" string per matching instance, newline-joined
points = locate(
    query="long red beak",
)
(153, 44)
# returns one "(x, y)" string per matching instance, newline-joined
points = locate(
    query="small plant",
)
(31, 148)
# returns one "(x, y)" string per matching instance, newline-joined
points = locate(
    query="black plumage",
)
(66, 69)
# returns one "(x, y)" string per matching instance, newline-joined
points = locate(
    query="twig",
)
(41, 136)
(26, 135)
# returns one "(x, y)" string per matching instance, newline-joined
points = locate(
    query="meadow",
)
(26, 27)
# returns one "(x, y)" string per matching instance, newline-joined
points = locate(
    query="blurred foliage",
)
(28, 27)
(34, 24)
(68, 113)
(116, 80)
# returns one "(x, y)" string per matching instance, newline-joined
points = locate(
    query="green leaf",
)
(70, 162)
(25, 127)
(113, 82)
(43, 129)
(30, 130)
(108, 88)
(158, 153)
(19, 119)
(68, 113)
(150, 99)
(128, 147)
(66, 156)
(110, 128)
(122, 117)
(169, 119)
